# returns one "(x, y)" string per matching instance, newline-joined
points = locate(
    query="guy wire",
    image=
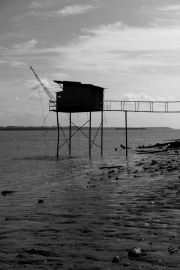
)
(44, 122)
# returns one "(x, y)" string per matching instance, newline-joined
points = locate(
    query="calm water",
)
(88, 215)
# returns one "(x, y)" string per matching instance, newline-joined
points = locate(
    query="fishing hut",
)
(75, 97)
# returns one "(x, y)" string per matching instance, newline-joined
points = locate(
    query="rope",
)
(44, 122)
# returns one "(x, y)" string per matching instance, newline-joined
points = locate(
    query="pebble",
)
(136, 252)
(116, 259)
(40, 201)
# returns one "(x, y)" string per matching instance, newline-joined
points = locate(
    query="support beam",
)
(58, 134)
(90, 134)
(101, 133)
(70, 134)
(126, 134)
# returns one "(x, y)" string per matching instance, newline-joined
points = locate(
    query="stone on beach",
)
(7, 192)
(136, 252)
(116, 259)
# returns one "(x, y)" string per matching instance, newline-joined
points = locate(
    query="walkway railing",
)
(143, 106)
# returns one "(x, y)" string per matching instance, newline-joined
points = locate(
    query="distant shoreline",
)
(16, 128)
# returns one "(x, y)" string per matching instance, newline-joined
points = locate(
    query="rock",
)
(116, 259)
(153, 162)
(40, 252)
(172, 250)
(40, 201)
(136, 252)
(6, 192)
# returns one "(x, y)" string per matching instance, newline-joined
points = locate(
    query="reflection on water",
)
(86, 215)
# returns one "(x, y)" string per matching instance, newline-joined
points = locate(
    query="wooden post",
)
(101, 133)
(90, 134)
(58, 134)
(126, 134)
(69, 134)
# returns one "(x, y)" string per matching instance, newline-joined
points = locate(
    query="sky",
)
(129, 47)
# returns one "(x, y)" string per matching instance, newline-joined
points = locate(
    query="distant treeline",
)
(131, 128)
(73, 128)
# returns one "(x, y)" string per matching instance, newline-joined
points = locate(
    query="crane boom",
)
(43, 86)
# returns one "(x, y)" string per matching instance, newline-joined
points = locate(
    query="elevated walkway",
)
(142, 106)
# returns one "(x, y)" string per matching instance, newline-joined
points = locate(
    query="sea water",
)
(74, 211)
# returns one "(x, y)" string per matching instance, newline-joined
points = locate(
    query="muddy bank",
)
(86, 221)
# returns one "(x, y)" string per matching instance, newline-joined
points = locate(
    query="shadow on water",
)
(48, 158)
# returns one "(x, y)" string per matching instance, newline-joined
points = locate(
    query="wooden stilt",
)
(69, 134)
(101, 133)
(58, 134)
(90, 134)
(126, 134)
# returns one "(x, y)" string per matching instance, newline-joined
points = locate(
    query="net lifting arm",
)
(43, 86)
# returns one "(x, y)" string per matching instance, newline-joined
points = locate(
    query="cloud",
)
(27, 17)
(31, 112)
(170, 8)
(136, 97)
(17, 98)
(73, 10)
(36, 85)
(13, 63)
(163, 15)
(11, 111)
(38, 92)
(25, 45)
(43, 3)
(34, 96)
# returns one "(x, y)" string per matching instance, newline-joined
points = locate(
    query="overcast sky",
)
(130, 47)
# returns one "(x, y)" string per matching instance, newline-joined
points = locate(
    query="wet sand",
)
(85, 221)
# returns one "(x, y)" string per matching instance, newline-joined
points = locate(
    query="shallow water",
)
(89, 212)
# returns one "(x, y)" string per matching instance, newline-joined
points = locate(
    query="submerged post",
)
(126, 134)
(70, 134)
(58, 134)
(90, 134)
(101, 132)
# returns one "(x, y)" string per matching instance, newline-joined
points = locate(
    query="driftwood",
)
(124, 147)
(150, 151)
(158, 147)
(111, 167)
(168, 145)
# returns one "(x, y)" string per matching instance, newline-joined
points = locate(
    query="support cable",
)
(81, 130)
(96, 135)
(64, 135)
(44, 122)
(74, 134)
